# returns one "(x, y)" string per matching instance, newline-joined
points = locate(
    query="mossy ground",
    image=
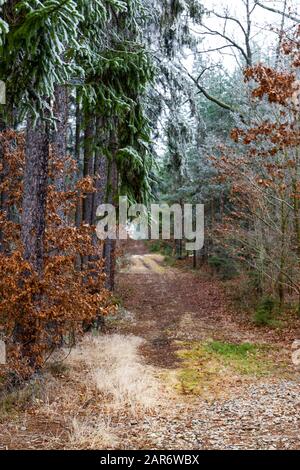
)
(208, 366)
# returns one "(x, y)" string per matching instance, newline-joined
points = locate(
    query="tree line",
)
(73, 133)
(231, 136)
(125, 97)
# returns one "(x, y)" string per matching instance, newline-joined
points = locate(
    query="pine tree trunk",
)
(78, 214)
(88, 170)
(33, 225)
(35, 193)
(195, 259)
(100, 194)
(77, 155)
(296, 215)
(101, 173)
(59, 137)
(99, 197)
(3, 195)
(88, 167)
(109, 251)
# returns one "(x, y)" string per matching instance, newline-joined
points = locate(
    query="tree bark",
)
(78, 214)
(101, 179)
(88, 170)
(3, 195)
(88, 167)
(33, 225)
(100, 171)
(109, 251)
(35, 193)
(59, 136)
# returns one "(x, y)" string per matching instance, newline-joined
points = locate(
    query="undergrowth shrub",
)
(265, 313)
(161, 246)
(223, 265)
(45, 310)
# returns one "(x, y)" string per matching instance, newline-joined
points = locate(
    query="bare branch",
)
(231, 41)
(215, 49)
(274, 10)
(231, 18)
(207, 95)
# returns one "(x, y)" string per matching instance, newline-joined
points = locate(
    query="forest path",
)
(145, 264)
(174, 310)
(171, 305)
(152, 379)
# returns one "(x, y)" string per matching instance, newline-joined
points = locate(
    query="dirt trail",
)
(171, 308)
(171, 305)
(150, 381)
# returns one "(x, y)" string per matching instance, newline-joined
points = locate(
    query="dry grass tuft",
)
(88, 435)
(86, 399)
(115, 369)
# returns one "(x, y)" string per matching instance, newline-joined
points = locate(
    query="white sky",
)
(262, 22)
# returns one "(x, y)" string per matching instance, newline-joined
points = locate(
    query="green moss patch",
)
(208, 366)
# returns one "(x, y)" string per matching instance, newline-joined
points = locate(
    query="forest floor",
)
(176, 368)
